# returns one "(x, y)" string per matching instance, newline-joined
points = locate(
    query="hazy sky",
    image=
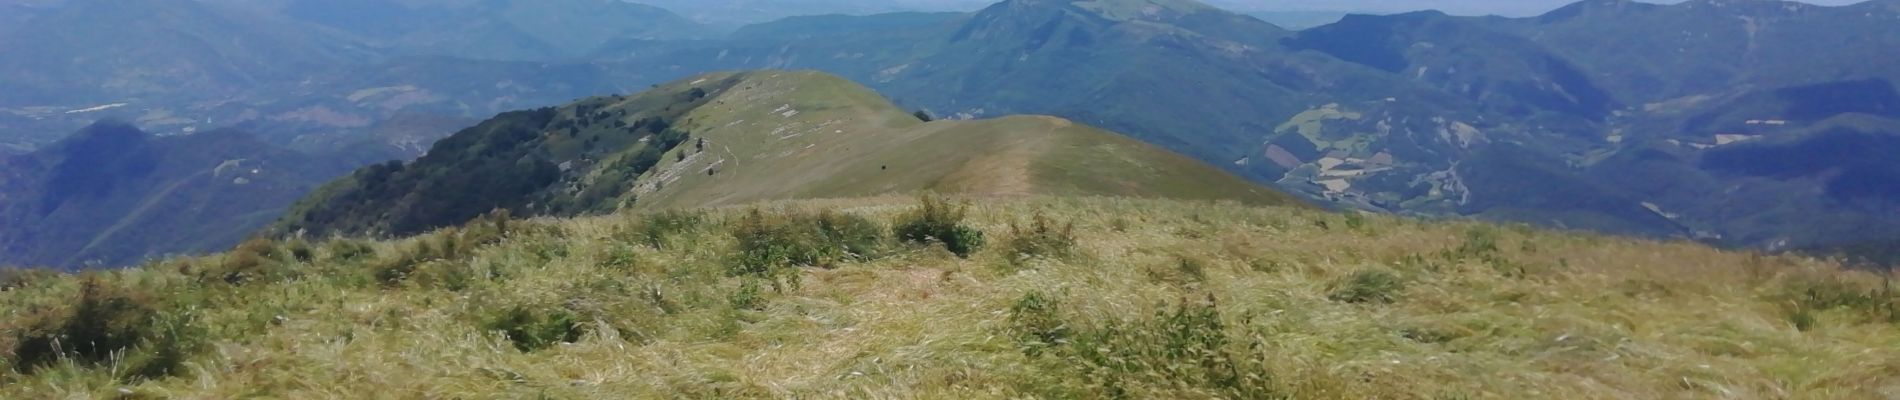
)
(722, 10)
(1463, 7)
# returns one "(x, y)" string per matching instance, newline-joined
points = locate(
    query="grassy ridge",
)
(1089, 297)
(803, 134)
(735, 138)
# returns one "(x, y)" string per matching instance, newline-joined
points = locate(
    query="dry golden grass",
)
(1477, 311)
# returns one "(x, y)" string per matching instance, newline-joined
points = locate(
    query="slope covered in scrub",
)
(1051, 298)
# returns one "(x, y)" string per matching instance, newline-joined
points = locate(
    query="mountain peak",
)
(1596, 7)
(1040, 22)
(1119, 10)
(104, 134)
(1749, 7)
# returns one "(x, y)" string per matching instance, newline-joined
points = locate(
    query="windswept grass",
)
(1124, 299)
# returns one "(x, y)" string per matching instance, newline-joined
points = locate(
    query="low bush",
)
(1036, 323)
(397, 267)
(1186, 351)
(257, 259)
(18, 278)
(536, 328)
(1805, 296)
(104, 325)
(452, 244)
(850, 236)
(1183, 271)
(770, 243)
(937, 220)
(1479, 242)
(1043, 238)
(749, 296)
(655, 230)
(348, 250)
(1356, 221)
(1368, 286)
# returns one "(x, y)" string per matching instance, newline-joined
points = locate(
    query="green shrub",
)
(768, 244)
(17, 278)
(1479, 242)
(398, 267)
(1355, 221)
(1369, 286)
(486, 230)
(1042, 238)
(533, 329)
(347, 250)
(1183, 352)
(654, 230)
(300, 250)
(105, 324)
(1185, 270)
(620, 257)
(1036, 323)
(452, 244)
(1802, 317)
(857, 237)
(936, 220)
(749, 296)
(257, 259)
(1805, 296)
(172, 338)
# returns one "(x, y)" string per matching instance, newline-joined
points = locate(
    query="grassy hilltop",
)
(1053, 298)
(742, 137)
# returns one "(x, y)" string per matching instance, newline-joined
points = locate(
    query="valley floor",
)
(1142, 299)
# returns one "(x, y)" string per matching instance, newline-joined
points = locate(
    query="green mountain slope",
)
(730, 138)
(113, 195)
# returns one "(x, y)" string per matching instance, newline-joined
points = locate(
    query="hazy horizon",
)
(1517, 8)
(1462, 7)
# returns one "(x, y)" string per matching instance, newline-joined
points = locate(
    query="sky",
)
(739, 12)
(1515, 8)
(1460, 7)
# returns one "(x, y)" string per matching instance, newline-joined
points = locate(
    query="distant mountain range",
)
(113, 195)
(1601, 115)
(287, 69)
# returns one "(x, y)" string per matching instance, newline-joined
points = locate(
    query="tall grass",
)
(1118, 298)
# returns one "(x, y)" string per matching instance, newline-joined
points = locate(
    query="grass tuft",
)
(531, 328)
(120, 328)
(1186, 351)
(1368, 286)
(1036, 323)
(772, 245)
(1042, 238)
(939, 221)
